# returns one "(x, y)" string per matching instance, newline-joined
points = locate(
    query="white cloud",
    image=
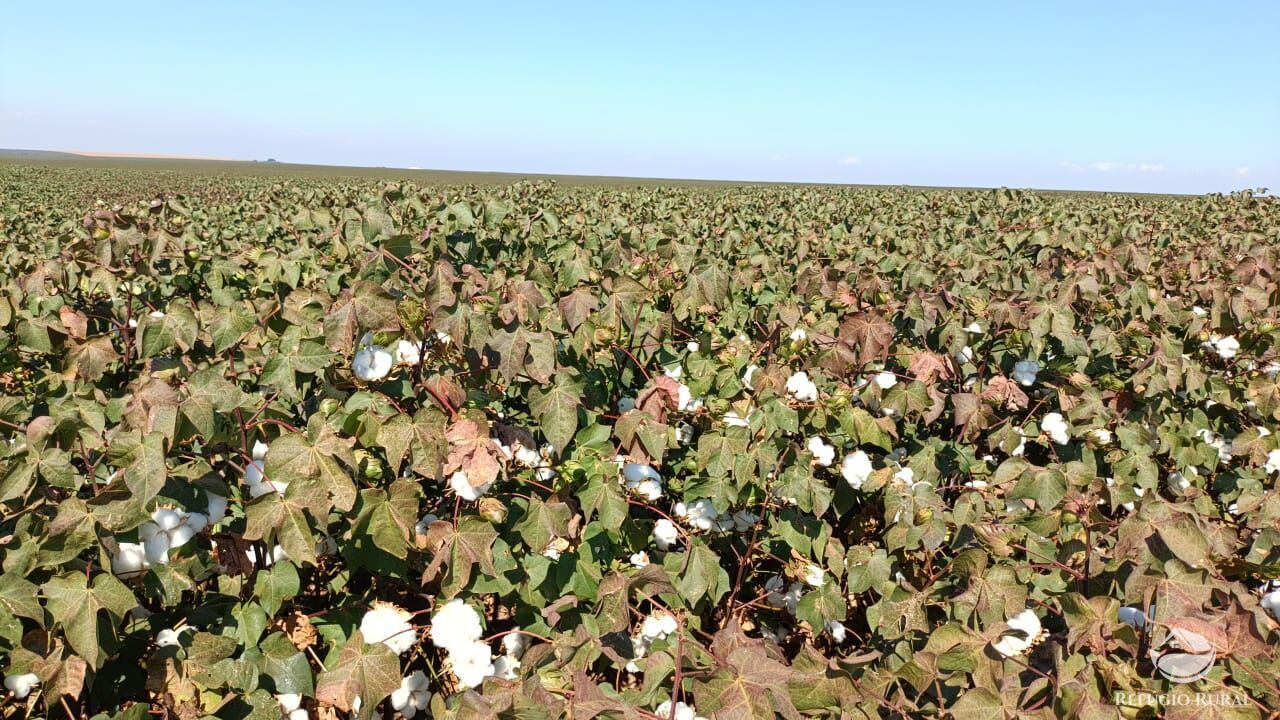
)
(1242, 171)
(1107, 167)
(850, 160)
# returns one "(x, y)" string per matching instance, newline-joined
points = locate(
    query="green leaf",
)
(359, 670)
(556, 409)
(74, 605)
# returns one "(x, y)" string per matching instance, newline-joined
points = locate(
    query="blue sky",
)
(1159, 96)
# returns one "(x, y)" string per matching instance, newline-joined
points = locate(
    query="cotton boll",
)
(974, 329)
(1226, 347)
(1027, 632)
(886, 380)
(166, 518)
(372, 364)
(823, 453)
(455, 624)
(514, 644)
(506, 667)
(700, 513)
(746, 376)
(130, 560)
(217, 508)
(21, 684)
(1025, 371)
(634, 473)
(424, 523)
(289, 701)
(407, 353)
(387, 624)
(813, 575)
(157, 549)
(682, 711)
(837, 631)
(905, 476)
(744, 520)
(733, 419)
(856, 469)
(665, 534)
(472, 663)
(673, 371)
(169, 637)
(802, 388)
(463, 487)
(412, 696)
(798, 335)
(1055, 426)
(648, 489)
(639, 559)
(259, 450)
(684, 433)
(181, 535)
(692, 346)
(1273, 462)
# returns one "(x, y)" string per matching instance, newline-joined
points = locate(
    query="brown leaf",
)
(298, 628)
(471, 451)
(929, 368)
(868, 335)
(1003, 392)
(76, 323)
(662, 395)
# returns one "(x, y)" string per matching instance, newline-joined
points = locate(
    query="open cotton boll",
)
(733, 419)
(665, 534)
(21, 684)
(412, 696)
(798, 335)
(130, 560)
(166, 518)
(700, 513)
(505, 667)
(514, 644)
(801, 387)
(837, 631)
(1025, 371)
(634, 473)
(683, 711)
(781, 596)
(463, 487)
(744, 520)
(886, 380)
(387, 624)
(1271, 601)
(289, 701)
(974, 329)
(746, 375)
(639, 559)
(1272, 465)
(648, 489)
(156, 548)
(1026, 632)
(455, 624)
(823, 453)
(169, 637)
(813, 576)
(424, 523)
(407, 353)
(472, 663)
(372, 364)
(856, 469)
(217, 509)
(692, 346)
(1055, 426)
(1226, 347)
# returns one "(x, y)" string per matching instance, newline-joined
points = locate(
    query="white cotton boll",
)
(856, 469)
(545, 474)
(472, 663)
(652, 628)
(635, 473)
(648, 489)
(407, 353)
(733, 419)
(905, 476)
(974, 329)
(505, 450)
(387, 624)
(823, 453)
(180, 536)
(289, 701)
(300, 714)
(169, 637)
(674, 372)
(1178, 482)
(1055, 426)
(217, 508)
(528, 457)
(684, 433)
(886, 380)
(639, 559)
(514, 644)
(1271, 601)
(130, 560)
(157, 549)
(684, 396)
(372, 363)
(700, 513)
(166, 518)
(1226, 347)
(683, 711)
(692, 346)
(455, 625)
(626, 404)
(746, 375)
(1015, 644)
(21, 684)
(462, 486)
(1199, 311)
(665, 534)
(802, 388)
(505, 667)
(1025, 371)
(133, 323)
(813, 575)
(1273, 462)
(798, 335)
(412, 695)
(259, 450)
(977, 484)
(965, 355)
(1102, 436)
(838, 632)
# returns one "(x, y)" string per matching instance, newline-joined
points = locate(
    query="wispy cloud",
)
(1242, 171)
(850, 160)
(1117, 167)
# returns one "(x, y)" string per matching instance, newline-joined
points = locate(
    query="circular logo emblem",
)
(1184, 656)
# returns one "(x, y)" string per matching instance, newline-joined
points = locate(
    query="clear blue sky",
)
(1158, 96)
